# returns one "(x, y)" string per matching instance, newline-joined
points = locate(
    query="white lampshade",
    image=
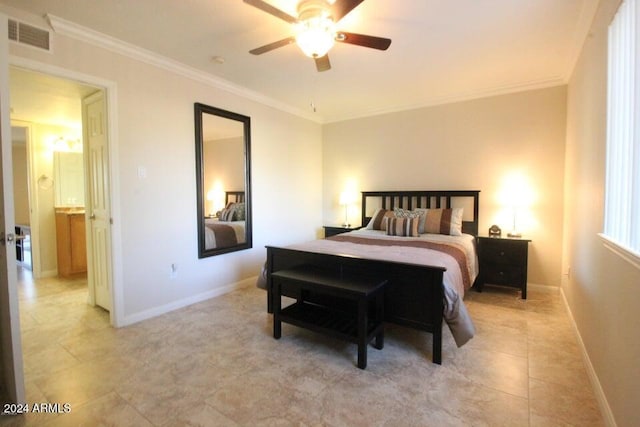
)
(347, 197)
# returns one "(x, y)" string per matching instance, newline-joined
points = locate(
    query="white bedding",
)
(455, 314)
(210, 238)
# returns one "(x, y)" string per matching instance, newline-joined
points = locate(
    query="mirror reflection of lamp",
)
(210, 201)
(347, 197)
(215, 197)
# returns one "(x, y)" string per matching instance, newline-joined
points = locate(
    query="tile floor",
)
(215, 363)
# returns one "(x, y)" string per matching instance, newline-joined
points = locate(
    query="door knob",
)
(7, 239)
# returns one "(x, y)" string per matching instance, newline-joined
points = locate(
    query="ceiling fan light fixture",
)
(315, 29)
(316, 35)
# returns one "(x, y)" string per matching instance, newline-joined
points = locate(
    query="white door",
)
(11, 371)
(97, 207)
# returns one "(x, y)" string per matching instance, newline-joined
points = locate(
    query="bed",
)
(228, 227)
(428, 273)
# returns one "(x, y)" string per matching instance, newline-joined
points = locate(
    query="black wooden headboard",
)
(233, 196)
(430, 199)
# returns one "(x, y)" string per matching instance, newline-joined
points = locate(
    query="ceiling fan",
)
(315, 31)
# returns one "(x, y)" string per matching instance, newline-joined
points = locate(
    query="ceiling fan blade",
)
(266, 7)
(322, 63)
(373, 42)
(271, 46)
(341, 7)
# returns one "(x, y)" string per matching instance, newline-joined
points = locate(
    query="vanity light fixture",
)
(67, 144)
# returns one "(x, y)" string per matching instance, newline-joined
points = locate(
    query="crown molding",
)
(495, 91)
(79, 32)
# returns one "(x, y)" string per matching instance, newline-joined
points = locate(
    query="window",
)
(622, 187)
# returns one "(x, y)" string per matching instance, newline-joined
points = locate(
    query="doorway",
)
(19, 136)
(47, 112)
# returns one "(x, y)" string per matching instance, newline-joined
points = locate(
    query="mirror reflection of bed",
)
(226, 227)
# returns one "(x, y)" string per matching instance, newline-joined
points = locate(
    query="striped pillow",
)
(402, 226)
(227, 214)
(442, 221)
(377, 220)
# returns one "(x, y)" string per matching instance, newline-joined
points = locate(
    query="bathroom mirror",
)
(68, 179)
(223, 180)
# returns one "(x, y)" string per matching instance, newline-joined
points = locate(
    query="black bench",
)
(344, 321)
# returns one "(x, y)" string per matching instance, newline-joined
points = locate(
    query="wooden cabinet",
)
(71, 242)
(503, 261)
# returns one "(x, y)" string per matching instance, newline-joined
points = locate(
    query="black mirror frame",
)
(199, 110)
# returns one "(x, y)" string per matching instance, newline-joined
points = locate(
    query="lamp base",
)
(514, 234)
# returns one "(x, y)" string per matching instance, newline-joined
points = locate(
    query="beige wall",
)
(155, 217)
(603, 290)
(484, 144)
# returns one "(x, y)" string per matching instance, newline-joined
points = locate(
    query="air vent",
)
(13, 30)
(28, 34)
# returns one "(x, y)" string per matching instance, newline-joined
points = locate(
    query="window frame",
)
(621, 233)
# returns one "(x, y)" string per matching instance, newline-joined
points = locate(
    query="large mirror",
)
(223, 173)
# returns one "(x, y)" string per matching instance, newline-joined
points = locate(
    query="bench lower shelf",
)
(330, 322)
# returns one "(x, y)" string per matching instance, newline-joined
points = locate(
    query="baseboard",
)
(605, 409)
(175, 305)
(48, 273)
(543, 288)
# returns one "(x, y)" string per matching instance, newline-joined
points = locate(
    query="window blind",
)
(622, 187)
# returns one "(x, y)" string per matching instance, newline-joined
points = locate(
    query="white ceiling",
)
(37, 97)
(442, 50)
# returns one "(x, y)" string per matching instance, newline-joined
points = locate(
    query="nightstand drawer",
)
(503, 253)
(498, 274)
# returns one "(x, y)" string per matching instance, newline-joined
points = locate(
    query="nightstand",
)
(332, 230)
(503, 261)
